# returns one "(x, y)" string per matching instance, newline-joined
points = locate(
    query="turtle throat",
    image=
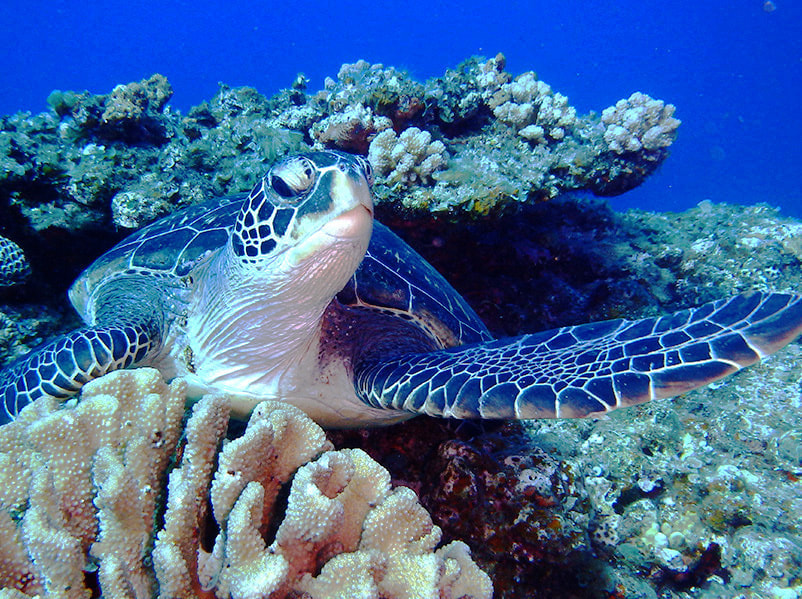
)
(256, 330)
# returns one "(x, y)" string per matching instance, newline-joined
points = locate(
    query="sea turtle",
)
(14, 267)
(285, 294)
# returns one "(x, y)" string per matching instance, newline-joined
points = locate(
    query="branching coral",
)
(639, 122)
(533, 109)
(406, 159)
(83, 485)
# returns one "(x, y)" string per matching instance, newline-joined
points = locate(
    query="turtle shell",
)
(393, 279)
(168, 248)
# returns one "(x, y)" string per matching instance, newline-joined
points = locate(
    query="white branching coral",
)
(639, 122)
(406, 159)
(531, 107)
(83, 486)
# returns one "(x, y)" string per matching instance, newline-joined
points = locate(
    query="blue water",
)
(733, 69)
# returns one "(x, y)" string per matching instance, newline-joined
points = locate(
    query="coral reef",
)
(130, 113)
(80, 505)
(481, 116)
(517, 505)
(692, 498)
(653, 506)
(122, 159)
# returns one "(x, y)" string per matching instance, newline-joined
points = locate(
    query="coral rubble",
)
(80, 505)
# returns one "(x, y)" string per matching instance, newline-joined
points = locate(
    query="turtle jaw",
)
(351, 224)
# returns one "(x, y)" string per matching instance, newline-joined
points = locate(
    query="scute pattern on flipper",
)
(62, 368)
(14, 268)
(582, 370)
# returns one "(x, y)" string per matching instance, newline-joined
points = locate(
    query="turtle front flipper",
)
(61, 367)
(588, 369)
(14, 267)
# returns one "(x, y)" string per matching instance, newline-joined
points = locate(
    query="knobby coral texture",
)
(690, 498)
(117, 495)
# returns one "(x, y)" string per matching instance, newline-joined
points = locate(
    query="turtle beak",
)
(356, 220)
(342, 240)
(349, 190)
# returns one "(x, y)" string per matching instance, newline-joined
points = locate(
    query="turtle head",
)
(310, 214)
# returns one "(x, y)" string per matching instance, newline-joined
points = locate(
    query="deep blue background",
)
(733, 69)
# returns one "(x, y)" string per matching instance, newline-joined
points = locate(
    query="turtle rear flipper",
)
(588, 369)
(61, 367)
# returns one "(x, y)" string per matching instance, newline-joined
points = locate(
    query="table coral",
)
(79, 511)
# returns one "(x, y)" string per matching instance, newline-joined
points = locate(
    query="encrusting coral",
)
(352, 129)
(80, 505)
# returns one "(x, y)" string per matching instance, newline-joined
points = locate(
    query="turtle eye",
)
(281, 187)
(293, 177)
(366, 169)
